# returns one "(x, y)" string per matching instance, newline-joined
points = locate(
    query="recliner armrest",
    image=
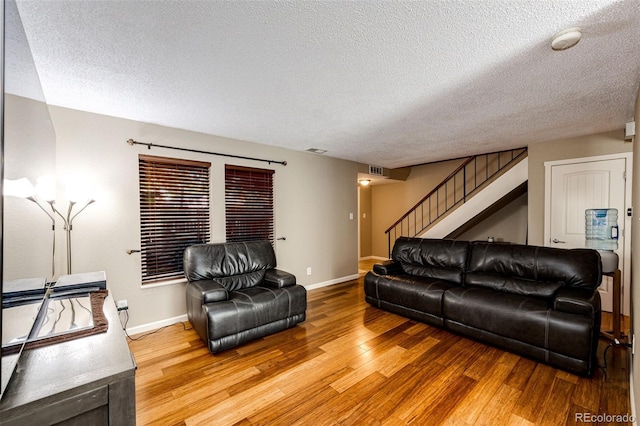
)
(207, 291)
(388, 267)
(276, 278)
(577, 301)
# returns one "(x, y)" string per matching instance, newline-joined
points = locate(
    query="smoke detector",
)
(566, 39)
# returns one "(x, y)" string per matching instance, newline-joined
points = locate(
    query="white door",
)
(577, 187)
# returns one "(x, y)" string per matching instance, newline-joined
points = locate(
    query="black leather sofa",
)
(539, 302)
(235, 294)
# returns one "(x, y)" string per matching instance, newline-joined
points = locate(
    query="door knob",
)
(557, 241)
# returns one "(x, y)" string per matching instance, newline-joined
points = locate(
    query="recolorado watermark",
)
(604, 418)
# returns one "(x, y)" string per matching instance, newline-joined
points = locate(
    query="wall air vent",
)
(376, 170)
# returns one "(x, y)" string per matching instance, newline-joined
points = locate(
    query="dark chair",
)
(235, 294)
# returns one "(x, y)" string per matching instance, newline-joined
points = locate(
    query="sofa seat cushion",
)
(508, 315)
(251, 307)
(413, 292)
(525, 319)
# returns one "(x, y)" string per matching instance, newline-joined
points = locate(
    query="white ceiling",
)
(390, 83)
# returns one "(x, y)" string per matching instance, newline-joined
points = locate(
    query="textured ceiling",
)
(391, 83)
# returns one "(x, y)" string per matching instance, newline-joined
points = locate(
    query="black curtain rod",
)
(149, 145)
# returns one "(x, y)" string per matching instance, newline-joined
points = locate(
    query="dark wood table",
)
(90, 380)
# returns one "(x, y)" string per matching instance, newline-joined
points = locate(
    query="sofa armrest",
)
(388, 267)
(276, 278)
(207, 291)
(577, 301)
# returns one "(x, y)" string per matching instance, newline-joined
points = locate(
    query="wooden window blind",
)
(249, 204)
(174, 213)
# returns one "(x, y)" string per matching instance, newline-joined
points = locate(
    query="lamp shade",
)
(79, 191)
(21, 188)
(46, 188)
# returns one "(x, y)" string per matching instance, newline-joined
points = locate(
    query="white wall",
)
(314, 197)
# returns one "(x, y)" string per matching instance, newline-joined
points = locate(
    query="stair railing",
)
(453, 191)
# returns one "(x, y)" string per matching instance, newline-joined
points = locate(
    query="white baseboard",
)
(181, 318)
(332, 282)
(156, 325)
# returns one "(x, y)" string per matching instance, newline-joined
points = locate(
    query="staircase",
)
(499, 176)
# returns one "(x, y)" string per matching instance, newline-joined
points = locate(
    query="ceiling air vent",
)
(317, 150)
(376, 170)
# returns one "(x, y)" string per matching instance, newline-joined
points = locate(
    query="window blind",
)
(174, 213)
(249, 204)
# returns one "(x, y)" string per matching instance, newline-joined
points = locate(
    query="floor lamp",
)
(68, 225)
(22, 188)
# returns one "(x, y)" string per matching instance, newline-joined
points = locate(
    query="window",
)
(249, 204)
(174, 213)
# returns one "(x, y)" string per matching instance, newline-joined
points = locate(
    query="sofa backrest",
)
(234, 265)
(532, 270)
(434, 258)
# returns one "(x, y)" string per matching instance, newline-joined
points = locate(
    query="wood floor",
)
(352, 364)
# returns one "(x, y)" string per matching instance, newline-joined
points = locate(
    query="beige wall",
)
(315, 196)
(364, 193)
(584, 146)
(509, 224)
(390, 201)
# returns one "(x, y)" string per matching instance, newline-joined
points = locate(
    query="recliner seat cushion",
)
(252, 307)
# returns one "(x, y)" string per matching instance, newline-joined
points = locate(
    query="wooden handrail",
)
(451, 178)
(433, 191)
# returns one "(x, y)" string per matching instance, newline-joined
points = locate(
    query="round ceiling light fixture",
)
(566, 39)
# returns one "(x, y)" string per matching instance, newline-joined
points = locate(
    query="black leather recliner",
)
(235, 294)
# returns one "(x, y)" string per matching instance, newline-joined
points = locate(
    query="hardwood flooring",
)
(352, 364)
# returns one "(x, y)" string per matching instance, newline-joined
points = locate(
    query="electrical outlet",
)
(309, 270)
(122, 305)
